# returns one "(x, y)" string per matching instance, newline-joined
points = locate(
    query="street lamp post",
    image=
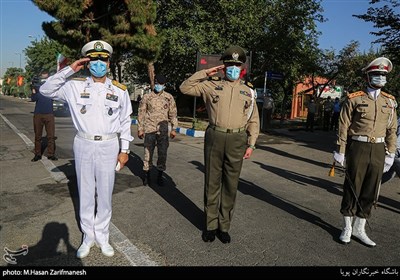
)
(20, 58)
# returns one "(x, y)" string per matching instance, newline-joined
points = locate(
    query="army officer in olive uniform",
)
(367, 138)
(230, 137)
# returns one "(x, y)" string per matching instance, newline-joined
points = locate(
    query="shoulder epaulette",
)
(355, 94)
(388, 95)
(214, 78)
(119, 85)
(250, 85)
(78, 79)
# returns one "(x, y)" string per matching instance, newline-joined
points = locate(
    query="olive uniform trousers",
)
(223, 159)
(364, 167)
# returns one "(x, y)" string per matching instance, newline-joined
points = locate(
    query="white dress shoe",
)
(107, 250)
(83, 250)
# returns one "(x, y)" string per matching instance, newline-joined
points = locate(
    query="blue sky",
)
(20, 19)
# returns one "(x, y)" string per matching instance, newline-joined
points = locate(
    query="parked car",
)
(60, 108)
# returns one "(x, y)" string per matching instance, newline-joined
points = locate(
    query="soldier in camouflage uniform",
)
(367, 135)
(156, 110)
(230, 137)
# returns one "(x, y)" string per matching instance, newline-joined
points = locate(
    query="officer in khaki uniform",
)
(367, 138)
(230, 137)
(156, 110)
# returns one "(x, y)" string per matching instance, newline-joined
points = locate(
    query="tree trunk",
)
(150, 72)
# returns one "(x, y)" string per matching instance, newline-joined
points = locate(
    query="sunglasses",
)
(377, 73)
(102, 58)
(227, 64)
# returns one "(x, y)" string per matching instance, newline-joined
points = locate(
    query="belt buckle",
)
(97, 138)
(229, 130)
(372, 140)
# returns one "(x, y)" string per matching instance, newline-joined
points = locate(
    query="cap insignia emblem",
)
(235, 56)
(381, 66)
(98, 46)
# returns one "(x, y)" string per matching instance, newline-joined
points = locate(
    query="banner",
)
(20, 81)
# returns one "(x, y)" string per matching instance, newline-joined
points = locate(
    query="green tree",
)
(127, 25)
(384, 14)
(289, 45)
(279, 35)
(42, 55)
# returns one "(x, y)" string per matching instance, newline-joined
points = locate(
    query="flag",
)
(61, 61)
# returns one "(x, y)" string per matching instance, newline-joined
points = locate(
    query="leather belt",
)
(227, 130)
(96, 137)
(368, 139)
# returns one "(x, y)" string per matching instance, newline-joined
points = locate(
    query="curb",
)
(186, 131)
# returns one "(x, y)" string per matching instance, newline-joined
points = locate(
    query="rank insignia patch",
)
(248, 94)
(112, 97)
(85, 95)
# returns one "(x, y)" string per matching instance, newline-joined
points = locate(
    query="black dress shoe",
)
(52, 158)
(224, 237)
(146, 178)
(208, 235)
(160, 180)
(36, 158)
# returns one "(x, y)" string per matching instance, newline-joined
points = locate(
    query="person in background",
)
(43, 116)
(268, 110)
(327, 107)
(101, 110)
(335, 115)
(311, 109)
(367, 138)
(231, 136)
(156, 111)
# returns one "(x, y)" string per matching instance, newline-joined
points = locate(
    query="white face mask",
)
(378, 81)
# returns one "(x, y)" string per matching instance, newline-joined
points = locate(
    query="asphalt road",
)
(286, 215)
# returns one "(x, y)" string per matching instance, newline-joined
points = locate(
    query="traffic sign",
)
(274, 75)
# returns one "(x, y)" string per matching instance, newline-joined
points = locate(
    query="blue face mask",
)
(233, 73)
(98, 68)
(158, 88)
(378, 81)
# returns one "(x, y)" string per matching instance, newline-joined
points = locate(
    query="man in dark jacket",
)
(43, 116)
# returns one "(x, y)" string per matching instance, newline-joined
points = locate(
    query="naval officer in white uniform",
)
(100, 110)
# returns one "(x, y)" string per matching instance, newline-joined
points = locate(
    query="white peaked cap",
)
(379, 64)
(97, 46)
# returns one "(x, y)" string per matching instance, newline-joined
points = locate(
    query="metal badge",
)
(110, 111)
(83, 109)
(165, 106)
(219, 88)
(215, 98)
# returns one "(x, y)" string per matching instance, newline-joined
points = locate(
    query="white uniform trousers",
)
(95, 163)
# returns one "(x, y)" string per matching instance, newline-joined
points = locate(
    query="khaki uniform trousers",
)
(223, 158)
(364, 167)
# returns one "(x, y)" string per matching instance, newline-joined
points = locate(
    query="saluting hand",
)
(214, 70)
(79, 64)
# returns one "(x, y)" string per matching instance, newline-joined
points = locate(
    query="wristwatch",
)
(252, 147)
(126, 152)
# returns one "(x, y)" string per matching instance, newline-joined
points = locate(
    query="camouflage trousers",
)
(151, 140)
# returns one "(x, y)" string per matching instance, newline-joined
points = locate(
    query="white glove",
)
(338, 157)
(389, 159)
